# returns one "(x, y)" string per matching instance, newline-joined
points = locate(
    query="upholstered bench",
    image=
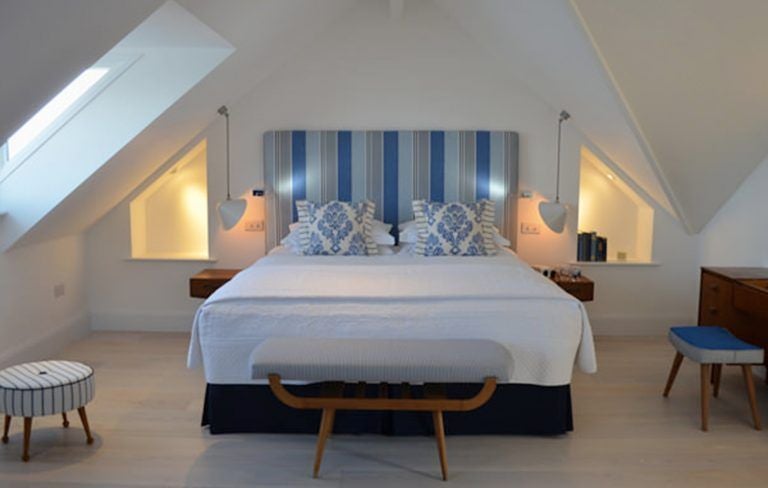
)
(45, 388)
(712, 347)
(382, 361)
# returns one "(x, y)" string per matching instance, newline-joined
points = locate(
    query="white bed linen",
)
(403, 296)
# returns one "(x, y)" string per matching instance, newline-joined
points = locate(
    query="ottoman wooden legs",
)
(28, 430)
(6, 427)
(86, 427)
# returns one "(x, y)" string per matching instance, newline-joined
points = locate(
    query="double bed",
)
(392, 296)
(404, 296)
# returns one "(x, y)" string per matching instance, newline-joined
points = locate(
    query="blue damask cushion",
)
(336, 228)
(454, 229)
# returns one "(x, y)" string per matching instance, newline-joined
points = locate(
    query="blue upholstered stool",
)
(712, 347)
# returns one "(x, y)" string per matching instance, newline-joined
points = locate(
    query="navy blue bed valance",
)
(391, 168)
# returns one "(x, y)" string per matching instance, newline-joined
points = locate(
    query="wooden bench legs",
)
(326, 428)
(711, 374)
(437, 420)
(28, 430)
(432, 402)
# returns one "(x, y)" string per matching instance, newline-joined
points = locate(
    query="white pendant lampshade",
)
(554, 214)
(230, 211)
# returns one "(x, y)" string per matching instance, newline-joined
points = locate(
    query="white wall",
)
(368, 71)
(34, 323)
(738, 234)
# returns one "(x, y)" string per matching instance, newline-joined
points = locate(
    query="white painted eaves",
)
(45, 44)
(266, 35)
(542, 44)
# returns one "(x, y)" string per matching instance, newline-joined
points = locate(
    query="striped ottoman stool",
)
(45, 388)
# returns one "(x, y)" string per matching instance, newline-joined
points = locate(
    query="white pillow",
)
(378, 224)
(382, 238)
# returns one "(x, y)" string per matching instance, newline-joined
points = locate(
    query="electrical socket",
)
(59, 289)
(254, 226)
(530, 228)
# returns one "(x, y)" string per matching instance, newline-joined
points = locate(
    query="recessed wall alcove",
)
(610, 207)
(169, 218)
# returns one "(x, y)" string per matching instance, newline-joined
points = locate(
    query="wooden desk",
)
(207, 281)
(737, 299)
(581, 287)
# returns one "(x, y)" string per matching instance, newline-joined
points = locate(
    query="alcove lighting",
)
(230, 211)
(555, 213)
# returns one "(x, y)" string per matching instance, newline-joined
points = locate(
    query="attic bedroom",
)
(383, 242)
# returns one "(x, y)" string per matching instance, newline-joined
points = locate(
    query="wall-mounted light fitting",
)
(258, 193)
(555, 213)
(230, 211)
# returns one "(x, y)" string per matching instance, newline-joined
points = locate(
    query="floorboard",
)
(145, 420)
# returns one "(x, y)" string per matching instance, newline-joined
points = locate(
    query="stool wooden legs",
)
(746, 370)
(27, 434)
(673, 373)
(326, 427)
(6, 428)
(65, 420)
(717, 373)
(705, 372)
(437, 420)
(86, 427)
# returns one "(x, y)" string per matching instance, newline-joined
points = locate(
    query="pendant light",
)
(230, 211)
(555, 213)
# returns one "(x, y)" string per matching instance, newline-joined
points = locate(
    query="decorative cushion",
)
(713, 345)
(377, 360)
(336, 228)
(45, 388)
(454, 229)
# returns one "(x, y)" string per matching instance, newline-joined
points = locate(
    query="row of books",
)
(592, 247)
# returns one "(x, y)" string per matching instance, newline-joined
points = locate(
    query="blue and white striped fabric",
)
(390, 168)
(45, 388)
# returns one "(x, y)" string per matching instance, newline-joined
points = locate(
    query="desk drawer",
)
(715, 300)
(750, 301)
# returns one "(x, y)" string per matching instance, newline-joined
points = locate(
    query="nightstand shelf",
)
(581, 287)
(207, 281)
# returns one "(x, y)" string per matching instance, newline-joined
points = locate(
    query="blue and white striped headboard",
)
(391, 168)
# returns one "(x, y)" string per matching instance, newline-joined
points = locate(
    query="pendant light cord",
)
(225, 112)
(563, 117)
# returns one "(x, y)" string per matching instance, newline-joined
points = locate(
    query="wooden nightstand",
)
(207, 281)
(582, 287)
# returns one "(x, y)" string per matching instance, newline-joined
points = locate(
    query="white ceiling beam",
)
(634, 125)
(396, 9)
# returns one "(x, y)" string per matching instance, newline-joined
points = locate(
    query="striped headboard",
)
(391, 168)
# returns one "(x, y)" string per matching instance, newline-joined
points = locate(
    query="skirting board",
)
(626, 325)
(47, 345)
(133, 321)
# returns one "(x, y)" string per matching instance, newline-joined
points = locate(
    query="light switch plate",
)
(254, 226)
(530, 228)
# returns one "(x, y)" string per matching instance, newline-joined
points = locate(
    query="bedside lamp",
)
(230, 211)
(554, 213)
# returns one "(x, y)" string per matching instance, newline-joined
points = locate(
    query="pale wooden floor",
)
(147, 411)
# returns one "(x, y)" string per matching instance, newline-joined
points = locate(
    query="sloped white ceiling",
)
(45, 44)
(265, 34)
(693, 74)
(543, 44)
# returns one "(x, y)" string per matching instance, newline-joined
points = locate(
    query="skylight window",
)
(53, 110)
(57, 112)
